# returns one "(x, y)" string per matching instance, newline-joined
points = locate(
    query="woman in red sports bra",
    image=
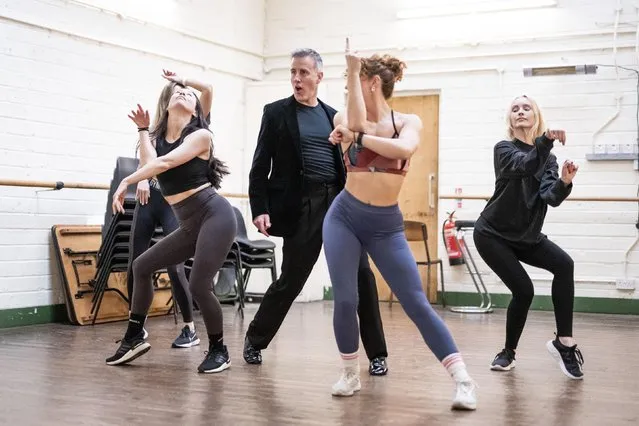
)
(378, 144)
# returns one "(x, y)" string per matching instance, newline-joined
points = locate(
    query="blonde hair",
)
(539, 126)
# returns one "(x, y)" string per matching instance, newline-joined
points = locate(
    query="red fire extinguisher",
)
(453, 248)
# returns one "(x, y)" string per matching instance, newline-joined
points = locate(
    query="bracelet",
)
(143, 129)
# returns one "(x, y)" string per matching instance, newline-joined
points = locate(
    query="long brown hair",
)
(217, 168)
(160, 107)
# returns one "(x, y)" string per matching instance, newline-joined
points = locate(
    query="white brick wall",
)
(72, 69)
(69, 75)
(475, 62)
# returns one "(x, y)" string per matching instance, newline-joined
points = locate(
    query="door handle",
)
(431, 194)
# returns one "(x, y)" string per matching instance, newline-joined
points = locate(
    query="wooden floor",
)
(55, 374)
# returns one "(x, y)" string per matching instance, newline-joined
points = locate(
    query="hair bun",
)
(395, 65)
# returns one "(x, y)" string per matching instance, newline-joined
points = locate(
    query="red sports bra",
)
(360, 159)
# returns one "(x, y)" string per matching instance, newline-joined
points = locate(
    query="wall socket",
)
(625, 283)
(612, 148)
(627, 148)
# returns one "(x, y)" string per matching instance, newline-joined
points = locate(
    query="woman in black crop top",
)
(152, 211)
(508, 231)
(188, 172)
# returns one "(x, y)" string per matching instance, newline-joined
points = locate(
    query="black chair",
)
(124, 166)
(254, 254)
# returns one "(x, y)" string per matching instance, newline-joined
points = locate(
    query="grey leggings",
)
(206, 233)
(351, 226)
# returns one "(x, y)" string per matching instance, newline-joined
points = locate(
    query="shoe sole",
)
(216, 370)
(463, 406)
(557, 357)
(500, 368)
(351, 393)
(186, 345)
(132, 354)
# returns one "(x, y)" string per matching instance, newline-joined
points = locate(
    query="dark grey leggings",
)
(206, 233)
(145, 219)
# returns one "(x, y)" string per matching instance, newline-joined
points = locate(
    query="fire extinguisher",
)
(453, 248)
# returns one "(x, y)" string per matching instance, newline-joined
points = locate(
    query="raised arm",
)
(512, 162)
(401, 148)
(553, 189)
(205, 89)
(355, 107)
(141, 119)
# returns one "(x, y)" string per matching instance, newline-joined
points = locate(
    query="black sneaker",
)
(129, 350)
(186, 339)
(378, 366)
(569, 358)
(216, 360)
(252, 355)
(504, 361)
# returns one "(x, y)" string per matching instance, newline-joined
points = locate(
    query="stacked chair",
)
(113, 255)
(254, 254)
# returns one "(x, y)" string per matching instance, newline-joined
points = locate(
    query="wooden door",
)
(418, 198)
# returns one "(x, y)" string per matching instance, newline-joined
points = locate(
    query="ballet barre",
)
(583, 199)
(58, 185)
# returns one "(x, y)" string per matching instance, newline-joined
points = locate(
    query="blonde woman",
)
(508, 231)
(152, 211)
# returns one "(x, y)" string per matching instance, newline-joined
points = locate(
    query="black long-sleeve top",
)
(527, 182)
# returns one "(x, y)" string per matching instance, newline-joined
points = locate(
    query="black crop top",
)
(192, 174)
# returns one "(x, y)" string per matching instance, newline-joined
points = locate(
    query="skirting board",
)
(57, 313)
(599, 305)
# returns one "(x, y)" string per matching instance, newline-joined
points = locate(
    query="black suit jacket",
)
(277, 174)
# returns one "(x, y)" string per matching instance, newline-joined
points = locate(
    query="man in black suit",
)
(295, 176)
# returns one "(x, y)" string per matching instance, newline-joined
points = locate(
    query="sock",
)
(216, 342)
(136, 325)
(350, 362)
(455, 366)
(191, 325)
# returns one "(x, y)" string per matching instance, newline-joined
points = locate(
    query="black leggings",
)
(503, 258)
(206, 233)
(145, 219)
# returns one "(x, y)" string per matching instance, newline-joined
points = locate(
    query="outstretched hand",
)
(568, 172)
(140, 117)
(556, 135)
(341, 134)
(353, 62)
(171, 76)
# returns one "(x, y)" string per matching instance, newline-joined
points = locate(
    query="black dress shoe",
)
(378, 367)
(252, 355)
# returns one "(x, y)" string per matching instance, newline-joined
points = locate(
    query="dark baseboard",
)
(600, 305)
(32, 315)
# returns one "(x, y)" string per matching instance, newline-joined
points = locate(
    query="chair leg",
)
(428, 278)
(441, 273)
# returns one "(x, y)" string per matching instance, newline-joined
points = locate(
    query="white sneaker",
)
(347, 384)
(465, 397)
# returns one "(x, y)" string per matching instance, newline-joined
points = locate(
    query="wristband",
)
(143, 129)
(358, 142)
